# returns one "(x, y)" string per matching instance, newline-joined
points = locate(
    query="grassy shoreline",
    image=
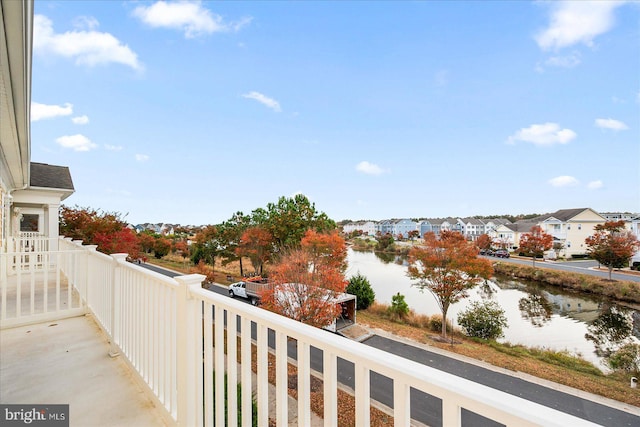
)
(620, 290)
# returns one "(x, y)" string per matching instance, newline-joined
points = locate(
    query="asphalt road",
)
(427, 409)
(582, 266)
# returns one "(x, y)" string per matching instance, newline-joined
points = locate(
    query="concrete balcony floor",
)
(67, 362)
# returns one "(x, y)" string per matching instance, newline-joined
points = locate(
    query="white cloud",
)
(611, 124)
(564, 181)
(187, 16)
(574, 22)
(566, 61)
(369, 168)
(86, 23)
(543, 134)
(76, 142)
(142, 157)
(80, 120)
(263, 99)
(594, 185)
(86, 47)
(113, 147)
(44, 111)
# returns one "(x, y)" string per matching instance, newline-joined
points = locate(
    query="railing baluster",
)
(362, 395)
(401, 406)
(209, 369)
(232, 370)
(330, 382)
(282, 397)
(220, 373)
(262, 376)
(304, 383)
(246, 373)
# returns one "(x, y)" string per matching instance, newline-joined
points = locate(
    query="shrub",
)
(360, 287)
(626, 359)
(435, 323)
(484, 320)
(398, 308)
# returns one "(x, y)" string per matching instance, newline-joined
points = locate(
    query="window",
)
(29, 222)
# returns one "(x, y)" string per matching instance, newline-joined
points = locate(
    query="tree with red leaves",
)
(612, 245)
(123, 241)
(105, 229)
(306, 281)
(326, 249)
(483, 241)
(447, 267)
(535, 242)
(256, 243)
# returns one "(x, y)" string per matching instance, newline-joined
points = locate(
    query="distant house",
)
(570, 228)
(508, 235)
(403, 227)
(493, 223)
(367, 228)
(385, 226)
(472, 228)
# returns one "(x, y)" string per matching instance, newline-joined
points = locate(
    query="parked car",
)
(501, 253)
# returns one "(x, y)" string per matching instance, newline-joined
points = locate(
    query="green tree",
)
(229, 236)
(483, 319)
(399, 307)
(612, 245)
(385, 242)
(447, 266)
(360, 287)
(161, 247)
(626, 359)
(290, 218)
(207, 246)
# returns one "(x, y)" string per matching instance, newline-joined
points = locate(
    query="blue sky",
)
(186, 112)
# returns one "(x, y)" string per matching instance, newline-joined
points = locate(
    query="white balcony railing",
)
(175, 335)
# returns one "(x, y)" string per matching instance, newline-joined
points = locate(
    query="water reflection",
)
(535, 308)
(386, 257)
(611, 330)
(538, 316)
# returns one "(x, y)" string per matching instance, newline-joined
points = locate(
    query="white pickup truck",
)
(249, 290)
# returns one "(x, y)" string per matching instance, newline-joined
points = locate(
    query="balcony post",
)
(116, 286)
(188, 349)
(91, 249)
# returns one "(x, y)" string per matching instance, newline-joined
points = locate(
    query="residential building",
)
(570, 228)
(402, 227)
(368, 228)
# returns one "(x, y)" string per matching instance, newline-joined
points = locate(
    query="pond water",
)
(537, 316)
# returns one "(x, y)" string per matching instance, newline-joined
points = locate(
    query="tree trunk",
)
(241, 271)
(444, 323)
(610, 270)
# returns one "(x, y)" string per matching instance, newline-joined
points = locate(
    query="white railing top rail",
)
(476, 397)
